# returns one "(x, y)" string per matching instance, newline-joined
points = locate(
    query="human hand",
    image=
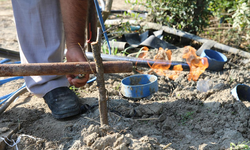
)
(76, 55)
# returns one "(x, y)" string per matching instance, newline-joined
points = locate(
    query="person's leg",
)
(41, 40)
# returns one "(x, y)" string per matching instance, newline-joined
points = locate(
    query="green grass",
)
(105, 49)
(239, 146)
(187, 117)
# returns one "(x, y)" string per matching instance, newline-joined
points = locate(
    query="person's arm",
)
(74, 14)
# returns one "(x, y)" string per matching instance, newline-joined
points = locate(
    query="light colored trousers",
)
(41, 40)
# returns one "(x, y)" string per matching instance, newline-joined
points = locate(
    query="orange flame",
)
(178, 69)
(197, 64)
(161, 55)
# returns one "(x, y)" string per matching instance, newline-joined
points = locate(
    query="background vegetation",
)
(226, 21)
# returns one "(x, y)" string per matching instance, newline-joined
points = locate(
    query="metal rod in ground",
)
(33, 69)
(140, 62)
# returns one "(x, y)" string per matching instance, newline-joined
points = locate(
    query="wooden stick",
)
(96, 48)
(33, 69)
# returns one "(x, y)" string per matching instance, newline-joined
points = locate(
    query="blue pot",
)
(216, 60)
(241, 92)
(139, 86)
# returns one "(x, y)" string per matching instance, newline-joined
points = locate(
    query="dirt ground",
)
(178, 116)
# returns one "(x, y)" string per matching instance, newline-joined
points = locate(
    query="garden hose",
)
(102, 24)
(9, 79)
(19, 92)
(9, 98)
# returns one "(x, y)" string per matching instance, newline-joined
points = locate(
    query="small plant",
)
(219, 8)
(124, 52)
(241, 21)
(231, 80)
(74, 89)
(144, 121)
(117, 87)
(114, 50)
(105, 49)
(241, 17)
(235, 15)
(239, 146)
(141, 52)
(187, 117)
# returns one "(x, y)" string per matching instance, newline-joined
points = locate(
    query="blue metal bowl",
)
(139, 86)
(216, 60)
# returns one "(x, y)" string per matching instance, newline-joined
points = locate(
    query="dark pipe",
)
(139, 62)
(9, 54)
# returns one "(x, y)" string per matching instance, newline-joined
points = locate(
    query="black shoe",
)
(63, 103)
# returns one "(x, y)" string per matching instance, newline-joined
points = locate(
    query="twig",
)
(146, 119)
(167, 146)
(92, 120)
(87, 59)
(119, 118)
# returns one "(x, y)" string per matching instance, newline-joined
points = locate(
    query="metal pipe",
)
(140, 62)
(33, 69)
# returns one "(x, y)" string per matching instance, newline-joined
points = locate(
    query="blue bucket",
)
(139, 86)
(216, 60)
